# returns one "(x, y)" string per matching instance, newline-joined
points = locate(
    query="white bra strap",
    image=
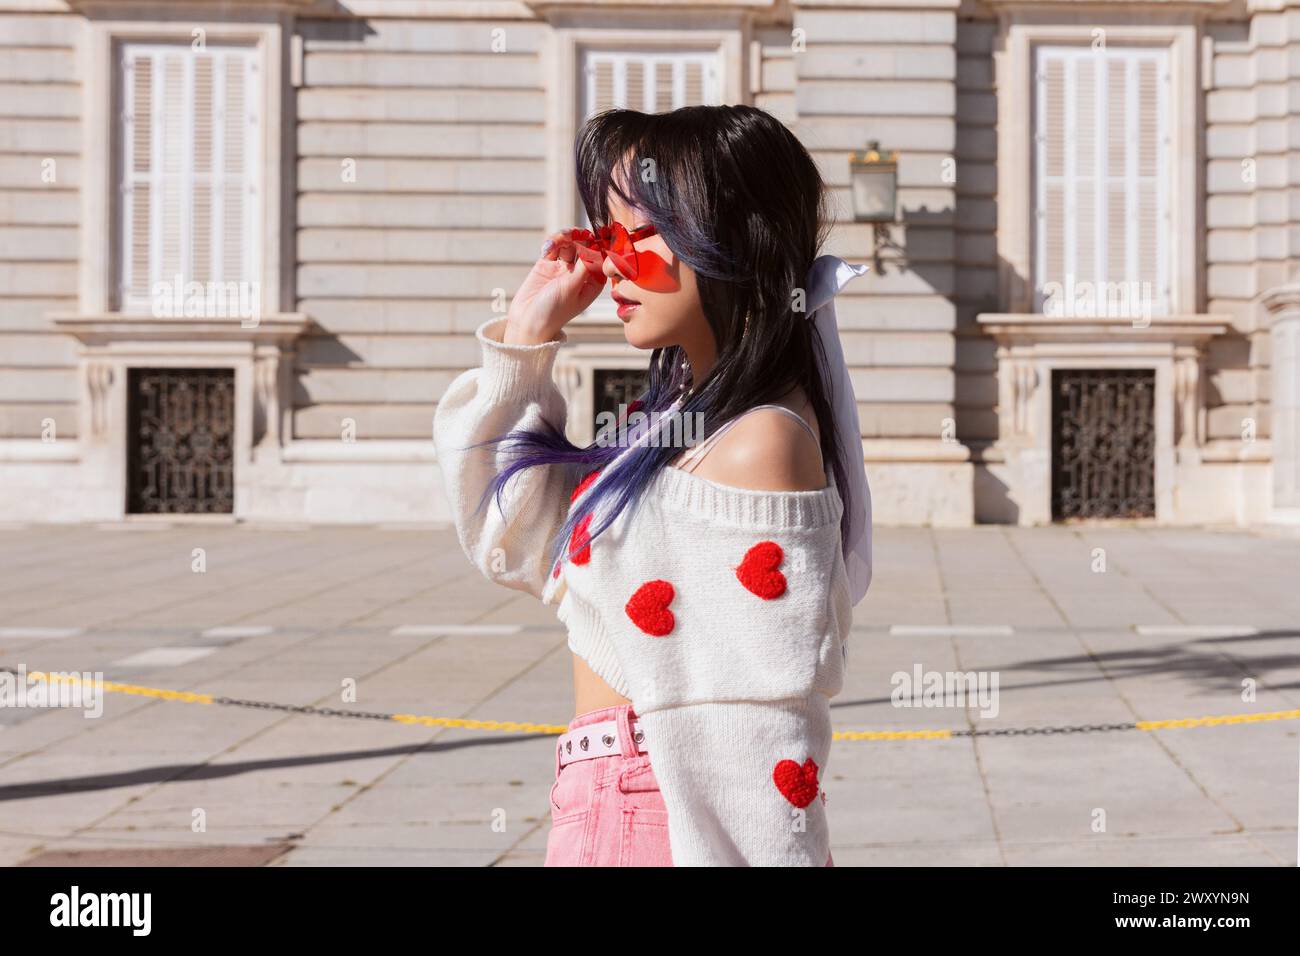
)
(793, 414)
(699, 451)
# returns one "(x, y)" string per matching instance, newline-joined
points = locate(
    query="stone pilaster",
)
(1283, 305)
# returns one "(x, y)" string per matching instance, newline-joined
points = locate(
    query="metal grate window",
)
(180, 441)
(1103, 443)
(615, 389)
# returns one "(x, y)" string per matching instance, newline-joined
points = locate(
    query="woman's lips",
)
(626, 306)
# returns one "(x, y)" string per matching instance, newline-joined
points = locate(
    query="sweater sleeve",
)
(741, 780)
(512, 389)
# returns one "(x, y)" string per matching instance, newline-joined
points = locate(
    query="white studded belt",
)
(597, 740)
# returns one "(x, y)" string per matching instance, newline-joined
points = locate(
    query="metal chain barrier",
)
(531, 728)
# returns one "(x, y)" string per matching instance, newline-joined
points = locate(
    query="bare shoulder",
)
(767, 450)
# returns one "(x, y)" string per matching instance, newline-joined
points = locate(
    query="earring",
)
(686, 367)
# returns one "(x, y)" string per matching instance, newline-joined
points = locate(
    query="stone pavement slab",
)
(1077, 626)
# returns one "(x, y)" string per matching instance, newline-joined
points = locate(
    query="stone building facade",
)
(244, 246)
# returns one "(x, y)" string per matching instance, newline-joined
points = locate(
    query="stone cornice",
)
(665, 15)
(1135, 5)
(1047, 9)
(112, 327)
(880, 4)
(658, 4)
(1211, 9)
(1269, 6)
(577, 12)
(547, 9)
(1024, 328)
(1281, 300)
(176, 9)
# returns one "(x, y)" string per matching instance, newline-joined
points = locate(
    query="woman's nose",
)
(607, 267)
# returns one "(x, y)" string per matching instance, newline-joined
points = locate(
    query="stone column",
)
(1283, 305)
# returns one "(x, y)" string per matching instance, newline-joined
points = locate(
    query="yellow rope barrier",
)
(531, 728)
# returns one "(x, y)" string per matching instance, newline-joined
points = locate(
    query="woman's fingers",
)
(551, 247)
(561, 246)
(568, 250)
(581, 287)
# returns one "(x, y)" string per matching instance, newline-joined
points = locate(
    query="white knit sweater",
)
(730, 666)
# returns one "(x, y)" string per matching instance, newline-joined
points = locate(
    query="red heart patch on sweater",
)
(584, 484)
(648, 608)
(758, 571)
(580, 541)
(797, 784)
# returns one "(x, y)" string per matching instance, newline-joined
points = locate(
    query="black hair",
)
(738, 199)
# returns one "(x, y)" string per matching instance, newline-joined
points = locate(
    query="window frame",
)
(119, 298)
(585, 83)
(1163, 276)
(588, 51)
(563, 57)
(1022, 32)
(101, 118)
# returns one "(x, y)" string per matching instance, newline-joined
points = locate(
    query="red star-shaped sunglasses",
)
(612, 241)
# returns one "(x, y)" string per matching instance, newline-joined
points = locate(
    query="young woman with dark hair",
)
(707, 601)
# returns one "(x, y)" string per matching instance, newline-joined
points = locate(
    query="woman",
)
(707, 599)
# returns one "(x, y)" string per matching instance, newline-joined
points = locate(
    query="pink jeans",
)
(608, 811)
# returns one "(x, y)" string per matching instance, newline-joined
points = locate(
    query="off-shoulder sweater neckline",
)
(681, 490)
(685, 492)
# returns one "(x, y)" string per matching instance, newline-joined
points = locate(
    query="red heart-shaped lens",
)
(588, 250)
(612, 241)
(621, 251)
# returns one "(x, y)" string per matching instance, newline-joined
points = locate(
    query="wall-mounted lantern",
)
(875, 184)
(873, 176)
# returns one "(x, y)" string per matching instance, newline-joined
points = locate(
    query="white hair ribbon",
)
(829, 274)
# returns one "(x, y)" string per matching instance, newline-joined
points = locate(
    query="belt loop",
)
(559, 745)
(625, 741)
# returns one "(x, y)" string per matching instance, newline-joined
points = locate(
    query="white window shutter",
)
(694, 88)
(1148, 188)
(1119, 152)
(652, 82)
(1088, 170)
(662, 86)
(137, 166)
(634, 82)
(189, 173)
(600, 85)
(1102, 167)
(1052, 171)
(201, 177)
(172, 153)
(237, 171)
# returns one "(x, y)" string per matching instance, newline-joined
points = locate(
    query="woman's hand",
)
(559, 287)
